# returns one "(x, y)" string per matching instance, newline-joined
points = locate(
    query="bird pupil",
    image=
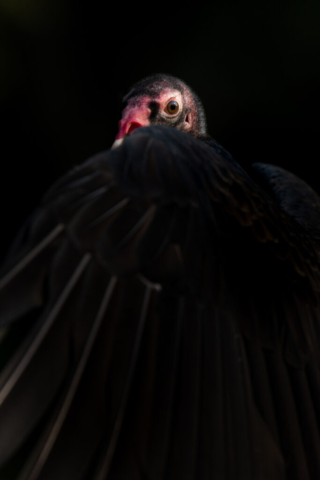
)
(172, 107)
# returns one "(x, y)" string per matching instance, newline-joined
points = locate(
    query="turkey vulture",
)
(160, 313)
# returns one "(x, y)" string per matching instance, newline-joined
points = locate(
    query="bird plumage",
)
(160, 318)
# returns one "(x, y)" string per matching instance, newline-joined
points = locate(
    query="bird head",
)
(162, 100)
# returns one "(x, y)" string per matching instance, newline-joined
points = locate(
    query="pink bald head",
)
(162, 100)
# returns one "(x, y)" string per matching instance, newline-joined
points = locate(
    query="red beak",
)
(133, 117)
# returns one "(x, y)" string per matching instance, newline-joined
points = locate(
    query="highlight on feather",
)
(173, 387)
(151, 285)
(106, 215)
(18, 369)
(106, 459)
(31, 255)
(34, 467)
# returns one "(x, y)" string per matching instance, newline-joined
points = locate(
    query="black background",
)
(65, 65)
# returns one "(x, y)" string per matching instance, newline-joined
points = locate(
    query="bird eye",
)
(172, 107)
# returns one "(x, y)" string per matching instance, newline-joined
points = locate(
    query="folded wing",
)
(160, 319)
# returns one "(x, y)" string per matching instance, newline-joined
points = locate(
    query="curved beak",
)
(133, 118)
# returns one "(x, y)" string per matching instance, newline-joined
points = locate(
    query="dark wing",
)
(160, 319)
(294, 195)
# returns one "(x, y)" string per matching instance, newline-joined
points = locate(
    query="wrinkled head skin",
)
(162, 100)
